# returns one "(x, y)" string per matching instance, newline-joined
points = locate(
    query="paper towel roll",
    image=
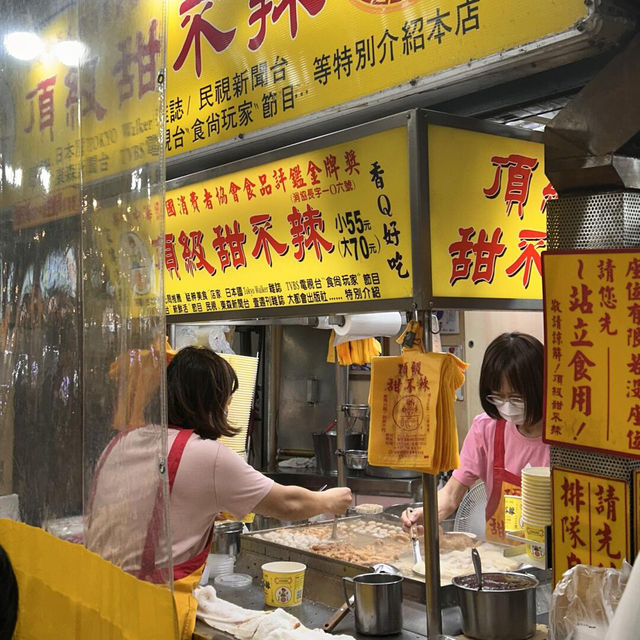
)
(370, 325)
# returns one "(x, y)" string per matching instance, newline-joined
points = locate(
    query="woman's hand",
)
(337, 500)
(411, 517)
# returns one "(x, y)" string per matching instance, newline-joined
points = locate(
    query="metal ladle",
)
(477, 565)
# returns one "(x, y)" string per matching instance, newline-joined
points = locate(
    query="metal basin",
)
(504, 609)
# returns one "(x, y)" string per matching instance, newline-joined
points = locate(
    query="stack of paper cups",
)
(536, 508)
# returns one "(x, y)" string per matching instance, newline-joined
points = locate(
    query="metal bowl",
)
(356, 410)
(355, 459)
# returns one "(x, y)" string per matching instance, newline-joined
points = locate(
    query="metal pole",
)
(431, 527)
(273, 349)
(342, 380)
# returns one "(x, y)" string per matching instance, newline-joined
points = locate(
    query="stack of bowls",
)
(218, 564)
(536, 508)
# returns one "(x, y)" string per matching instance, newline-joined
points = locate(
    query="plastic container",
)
(219, 564)
(233, 581)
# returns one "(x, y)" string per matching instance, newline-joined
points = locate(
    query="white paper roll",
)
(370, 325)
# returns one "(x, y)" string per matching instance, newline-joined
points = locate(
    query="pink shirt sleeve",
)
(474, 457)
(237, 485)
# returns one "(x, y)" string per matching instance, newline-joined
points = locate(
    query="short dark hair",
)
(518, 359)
(199, 386)
(8, 597)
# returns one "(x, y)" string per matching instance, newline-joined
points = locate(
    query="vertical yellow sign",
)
(592, 346)
(591, 520)
(488, 196)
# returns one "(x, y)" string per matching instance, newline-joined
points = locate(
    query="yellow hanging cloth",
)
(413, 423)
(66, 591)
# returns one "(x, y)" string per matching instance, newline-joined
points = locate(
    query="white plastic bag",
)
(584, 602)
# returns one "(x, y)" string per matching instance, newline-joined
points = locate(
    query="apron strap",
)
(148, 569)
(500, 474)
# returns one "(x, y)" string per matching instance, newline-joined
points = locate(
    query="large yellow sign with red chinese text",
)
(590, 520)
(592, 348)
(487, 211)
(326, 226)
(238, 67)
(84, 110)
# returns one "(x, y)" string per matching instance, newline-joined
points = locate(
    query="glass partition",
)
(82, 329)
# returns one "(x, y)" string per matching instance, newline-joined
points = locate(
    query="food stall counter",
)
(314, 614)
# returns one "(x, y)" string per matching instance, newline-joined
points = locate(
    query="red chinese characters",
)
(46, 111)
(144, 57)
(193, 252)
(531, 243)
(306, 229)
(486, 253)
(260, 225)
(229, 245)
(519, 171)
(217, 38)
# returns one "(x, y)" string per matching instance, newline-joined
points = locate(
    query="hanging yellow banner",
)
(488, 196)
(591, 520)
(237, 67)
(592, 349)
(82, 110)
(325, 226)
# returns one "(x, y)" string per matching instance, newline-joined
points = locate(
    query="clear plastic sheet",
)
(82, 325)
(584, 602)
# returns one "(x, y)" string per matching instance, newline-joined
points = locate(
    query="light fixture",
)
(23, 45)
(70, 52)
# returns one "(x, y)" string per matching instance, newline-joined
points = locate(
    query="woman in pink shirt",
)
(505, 438)
(204, 478)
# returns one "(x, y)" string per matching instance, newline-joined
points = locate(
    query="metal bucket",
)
(226, 538)
(325, 444)
(378, 603)
(505, 608)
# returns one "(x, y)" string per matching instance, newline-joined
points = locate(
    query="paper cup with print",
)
(536, 542)
(513, 513)
(283, 583)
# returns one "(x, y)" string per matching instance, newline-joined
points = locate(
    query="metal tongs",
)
(415, 541)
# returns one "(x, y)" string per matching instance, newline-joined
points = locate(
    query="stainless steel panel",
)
(304, 357)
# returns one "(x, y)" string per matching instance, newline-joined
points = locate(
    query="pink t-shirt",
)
(476, 457)
(211, 478)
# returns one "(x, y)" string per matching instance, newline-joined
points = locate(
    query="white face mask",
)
(512, 413)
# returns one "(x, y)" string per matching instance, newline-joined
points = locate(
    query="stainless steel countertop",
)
(368, 485)
(315, 614)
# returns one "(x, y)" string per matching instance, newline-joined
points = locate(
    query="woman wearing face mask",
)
(505, 438)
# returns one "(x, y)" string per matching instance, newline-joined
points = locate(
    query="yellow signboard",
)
(237, 67)
(636, 512)
(86, 108)
(591, 520)
(488, 196)
(326, 226)
(592, 344)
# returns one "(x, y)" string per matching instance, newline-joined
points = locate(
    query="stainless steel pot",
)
(226, 538)
(355, 458)
(504, 609)
(324, 445)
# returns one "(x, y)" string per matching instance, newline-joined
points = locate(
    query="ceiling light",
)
(23, 45)
(70, 52)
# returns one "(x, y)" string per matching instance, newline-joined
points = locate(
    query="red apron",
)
(504, 482)
(187, 574)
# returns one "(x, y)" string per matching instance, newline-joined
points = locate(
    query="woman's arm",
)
(449, 499)
(296, 503)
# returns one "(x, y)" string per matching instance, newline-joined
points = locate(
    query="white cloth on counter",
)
(247, 624)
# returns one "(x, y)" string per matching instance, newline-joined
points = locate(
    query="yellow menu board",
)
(591, 520)
(592, 347)
(636, 512)
(326, 226)
(85, 110)
(488, 197)
(237, 67)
